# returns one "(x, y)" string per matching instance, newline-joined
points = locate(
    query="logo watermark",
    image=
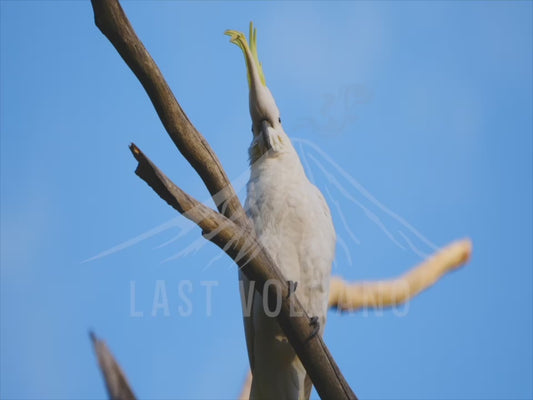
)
(176, 299)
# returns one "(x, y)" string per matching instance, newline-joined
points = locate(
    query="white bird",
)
(293, 222)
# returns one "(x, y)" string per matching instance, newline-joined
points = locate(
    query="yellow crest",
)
(239, 39)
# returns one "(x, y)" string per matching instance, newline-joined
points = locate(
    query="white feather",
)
(293, 222)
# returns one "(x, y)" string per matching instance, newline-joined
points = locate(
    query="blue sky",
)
(425, 109)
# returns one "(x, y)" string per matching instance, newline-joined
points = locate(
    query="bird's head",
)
(266, 121)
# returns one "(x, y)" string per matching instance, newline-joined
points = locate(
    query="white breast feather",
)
(293, 222)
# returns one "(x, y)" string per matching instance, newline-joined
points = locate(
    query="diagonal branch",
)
(345, 296)
(116, 382)
(206, 218)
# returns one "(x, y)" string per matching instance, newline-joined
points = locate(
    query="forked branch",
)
(110, 18)
(244, 248)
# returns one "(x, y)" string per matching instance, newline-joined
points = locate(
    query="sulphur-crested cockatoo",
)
(293, 222)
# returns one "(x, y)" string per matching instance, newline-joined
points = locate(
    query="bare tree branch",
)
(345, 296)
(206, 218)
(116, 382)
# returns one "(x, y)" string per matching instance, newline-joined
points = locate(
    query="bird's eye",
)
(279, 120)
(252, 129)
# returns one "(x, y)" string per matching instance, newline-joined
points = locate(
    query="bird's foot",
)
(292, 287)
(316, 327)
